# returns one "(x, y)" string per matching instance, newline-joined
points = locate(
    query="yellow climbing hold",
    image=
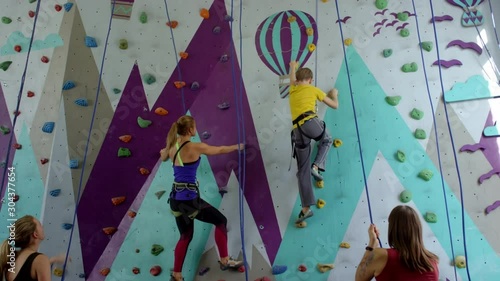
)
(291, 19)
(345, 245)
(324, 1)
(322, 267)
(337, 142)
(310, 31)
(312, 47)
(301, 224)
(320, 184)
(320, 204)
(58, 272)
(348, 42)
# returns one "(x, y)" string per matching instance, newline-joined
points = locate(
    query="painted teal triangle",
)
(28, 182)
(382, 129)
(155, 224)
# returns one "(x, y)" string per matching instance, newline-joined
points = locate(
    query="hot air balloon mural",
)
(283, 37)
(471, 16)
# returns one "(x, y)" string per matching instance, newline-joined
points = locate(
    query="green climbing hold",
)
(32, 1)
(159, 194)
(409, 67)
(430, 217)
(420, 134)
(427, 46)
(5, 65)
(4, 130)
(394, 100)
(6, 20)
(404, 32)
(400, 155)
(116, 90)
(387, 53)
(123, 44)
(143, 123)
(381, 4)
(124, 152)
(403, 16)
(143, 18)
(417, 114)
(149, 79)
(156, 249)
(426, 174)
(405, 196)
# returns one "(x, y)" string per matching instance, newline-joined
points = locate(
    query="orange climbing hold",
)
(161, 111)
(144, 171)
(204, 13)
(125, 138)
(179, 84)
(183, 55)
(105, 271)
(109, 230)
(131, 214)
(118, 200)
(173, 24)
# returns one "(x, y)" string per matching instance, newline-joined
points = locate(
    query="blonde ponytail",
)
(171, 138)
(5, 251)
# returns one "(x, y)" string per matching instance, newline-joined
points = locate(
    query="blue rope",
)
(355, 118)
(239, 116)
(88, 138)
(19, 96)
(435, 135)
(494, 25)
(316, 52)
(451, 138)
(176, 58)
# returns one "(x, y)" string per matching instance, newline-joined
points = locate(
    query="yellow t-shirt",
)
(302, 99)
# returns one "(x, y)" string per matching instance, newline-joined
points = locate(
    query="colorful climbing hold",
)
(387, 53)
(206, 135)
(31, 14)
(311, 47)
(118, 200)
(324, 267)
(320, 203)
(159, 194)
(131, 214)
(348, 42)
(228, 18)
(143, 18)
(156, 249)
(224, 58)
(48, 127)
(203, 271)
(81, 275)
(105, 271)
(279, 269)
(17, 48)
(44, 59)
(30, 94)
(136, 270)
(149, 79)
(430, 217)
(58, 272)
(68, 6)
(291, 19)
(427, 45)
(82, 102)
(17, 146)
(144, 171)
(125, 138)
(426, 174)
(302, 268)
(123, 44)
(195, 86)
(32, 1)
(409, 67)
(320, 184)
(420, 134)
(337, 142)
(216, 30)
(143, 123)
(393, 100)
(15, 198)
(55, 192)
(183, 55)
(73, 164)
(381, 4)
(116, 90)
(67, 226)
(109, 230)
(309, 31)
(58, 7)
(223, 106)
(172, 24)
(69, 85)
(4, 130)
(161, 111)
(124, 152)
(302, 224)
(460, 262)
(90, 42)
(405, 196)
(179, 84)
(400, 155)
(204, 13)
(345, 245)
(405, 32)
(5, 65)
(6, 20)
(44, 161)
(155, 270)
(416, 114)
(403, 16)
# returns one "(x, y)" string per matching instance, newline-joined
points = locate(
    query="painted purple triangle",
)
(466, 20)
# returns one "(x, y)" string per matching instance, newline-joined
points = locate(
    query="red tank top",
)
(394, 270)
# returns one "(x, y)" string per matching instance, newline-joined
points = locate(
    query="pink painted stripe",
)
(114, 245)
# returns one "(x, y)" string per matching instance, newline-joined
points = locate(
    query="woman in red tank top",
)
(407, 259)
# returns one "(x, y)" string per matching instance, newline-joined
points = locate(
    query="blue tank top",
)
(185, 172)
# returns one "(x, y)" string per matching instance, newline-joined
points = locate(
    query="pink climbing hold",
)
(155, 270)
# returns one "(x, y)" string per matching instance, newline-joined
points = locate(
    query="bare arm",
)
(164, 154)
(293, 67)
(332, 99)
(203, 148)
(372, 261)
(42, 268)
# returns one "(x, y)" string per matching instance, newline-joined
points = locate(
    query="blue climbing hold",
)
(67, 226)
(195, 86)
(82, 102)
(68, 6)
(81, 275)
(55, 192)
(90, 42)
(223, 106)
(279, 269)
(48, 127)
(224, 58)
(228, 18)
(206, 135)
(69, 85)
(216, 30)
(73, 164)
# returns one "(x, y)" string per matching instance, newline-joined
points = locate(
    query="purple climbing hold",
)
(206, 135)
(228, 18)
(195, 86)
(224, 58)
(223, 106)
(216, 30)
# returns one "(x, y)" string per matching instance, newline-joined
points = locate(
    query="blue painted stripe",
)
(263, 45)
(278, 50)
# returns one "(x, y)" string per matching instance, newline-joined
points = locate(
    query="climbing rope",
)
(88, 138)
(19, 96)
(240, 129)
(435, 134)
(355, 117)
(493, 22)
(316, 51)
(176, 57)
(451, 138)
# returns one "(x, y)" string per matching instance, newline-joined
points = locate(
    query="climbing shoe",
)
(303, 217)
(315, 173)
(231, 264)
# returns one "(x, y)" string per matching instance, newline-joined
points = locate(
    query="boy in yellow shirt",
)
(308, 126)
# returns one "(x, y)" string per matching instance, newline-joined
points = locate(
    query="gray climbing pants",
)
(311, 129)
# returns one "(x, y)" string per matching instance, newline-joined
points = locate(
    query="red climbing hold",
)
(15, 198)
(136, 270)
(45, 59)
(302, 268)
(155, 270)
(105, 271)
(17, 48)
(184, 55)
(31, 14)
(17, 146)
(16, 113)
(179, 84)
(58, 8)
(30, 94)
(125, 138)
(118, 200)
(44, 160)
(109, 230)
(131, 214)
(265, 278)
(144, 171)
(241, 269)
(172, 24)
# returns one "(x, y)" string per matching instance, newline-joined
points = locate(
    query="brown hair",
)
(304, 74)
(22, 232)
(180, 127)
(405, 235)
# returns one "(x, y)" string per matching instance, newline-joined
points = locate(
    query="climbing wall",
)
(104, 81)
